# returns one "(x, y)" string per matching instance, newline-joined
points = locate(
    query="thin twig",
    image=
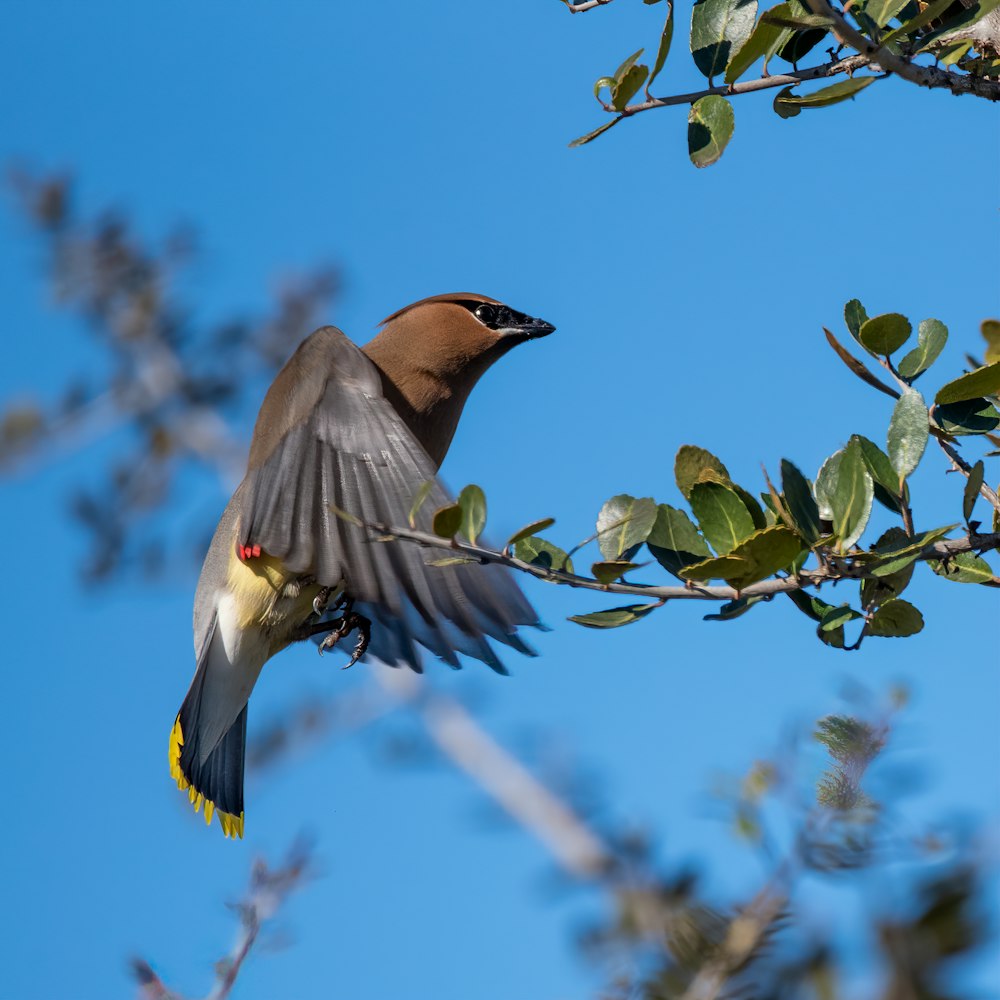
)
(579, 8)
(833, 68)
(696, 592)
(962, 466)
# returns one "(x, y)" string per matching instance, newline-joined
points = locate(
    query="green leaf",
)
(690, 467)
(882, 335)
(591, 136)
(608, 572)
(826, 484)
(761, 555)
(971, 416)
(972, 487)
(718, 29)
(750, 502)
(795, 21)
(722, 516)
(799, 501)
(539, 552)
(949, 53)
(788, 103)
(851, 501)
(895, 549)
(623, 524)
(628, 87)
(908, 431)
(833, 637)
(837, 617)
(930, 13)
(886, 481)
(965, 18)
(674, 540)
(628, 78)
(530, 529)
(418, 501)
(808, 604)
(895, 618)
(666, 36)
(472, 500)
(765, 40)
(932, 335)
(710, 127)
(983, 381)
(855, 317)
(878, 590)
(734, 609)
(963, 568)
(601, 83)
(990, 329)
(784, 106)
(719, 568)
(883, 11)
(447, 521)
(801, 43)
(614, 617)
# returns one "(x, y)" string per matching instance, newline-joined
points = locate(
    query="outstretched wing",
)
(351, 450)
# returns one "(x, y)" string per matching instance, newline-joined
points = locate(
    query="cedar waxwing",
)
(342, 431)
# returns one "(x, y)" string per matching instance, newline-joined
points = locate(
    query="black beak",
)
(532, 328)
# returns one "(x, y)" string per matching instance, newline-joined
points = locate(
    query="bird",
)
(346, 437)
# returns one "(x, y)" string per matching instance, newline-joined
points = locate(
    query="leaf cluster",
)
(727, 39)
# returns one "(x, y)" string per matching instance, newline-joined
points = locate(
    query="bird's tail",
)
(210, 777)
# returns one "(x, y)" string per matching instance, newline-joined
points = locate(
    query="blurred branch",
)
(267, 893)
(167, 379)
(463, 741)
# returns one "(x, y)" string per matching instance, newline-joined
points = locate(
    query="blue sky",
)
(422, 148)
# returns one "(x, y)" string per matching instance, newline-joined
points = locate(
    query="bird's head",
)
(461, 332)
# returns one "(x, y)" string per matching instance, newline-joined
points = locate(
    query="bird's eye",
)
(486, 313)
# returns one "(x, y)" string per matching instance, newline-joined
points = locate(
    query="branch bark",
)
(903, 66)
(694, 592)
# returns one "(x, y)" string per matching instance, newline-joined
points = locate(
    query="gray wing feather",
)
(353, 451)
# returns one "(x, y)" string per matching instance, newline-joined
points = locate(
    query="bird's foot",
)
(321, 600)
(342, 627)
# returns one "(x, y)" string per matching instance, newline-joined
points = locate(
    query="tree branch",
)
(903, 66)
(835, 67)
(693, 592)
(962, 466)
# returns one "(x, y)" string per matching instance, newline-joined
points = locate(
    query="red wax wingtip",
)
(241, 552)
(256, 551)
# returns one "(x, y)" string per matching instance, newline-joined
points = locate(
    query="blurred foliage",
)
(168, 380)
(727, 39)
(667, 937)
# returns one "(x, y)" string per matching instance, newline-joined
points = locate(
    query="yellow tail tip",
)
(232, 825)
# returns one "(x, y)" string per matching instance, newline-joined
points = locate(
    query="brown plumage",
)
(359, 430)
